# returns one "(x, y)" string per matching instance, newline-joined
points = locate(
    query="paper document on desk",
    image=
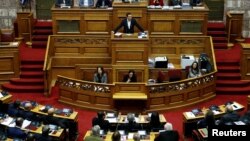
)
(130, 136)
(190, 115)
(236, 106)
(216, 112)
(1, 95)
(25, 124)
(7, 121)
(112, 120)
(239, 123)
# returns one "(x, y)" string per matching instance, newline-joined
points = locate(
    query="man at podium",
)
(128, 25)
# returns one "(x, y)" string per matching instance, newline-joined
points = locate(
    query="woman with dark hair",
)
(100, 76)
(194, 70)
(208, 120)
(130, 77)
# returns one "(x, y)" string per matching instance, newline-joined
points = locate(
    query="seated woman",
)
(194, 70)
(156, 2)
(130, 77)
(100, 76)
(103, 3)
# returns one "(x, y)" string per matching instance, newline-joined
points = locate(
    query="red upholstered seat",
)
(174, 75)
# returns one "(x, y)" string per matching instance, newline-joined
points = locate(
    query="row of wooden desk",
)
(128, 137)
(190, 120)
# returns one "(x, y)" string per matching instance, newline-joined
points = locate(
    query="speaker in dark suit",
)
(128, 25)
(103, 3)
(169, 134)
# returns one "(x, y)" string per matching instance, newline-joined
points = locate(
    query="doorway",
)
(43, 9)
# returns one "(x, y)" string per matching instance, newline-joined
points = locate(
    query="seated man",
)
(131, 126)
(45, 134)
(17, 132)
(100, 120)
(175, 2)
(86, 3)
(95, 134)
(128, 25)
(14, 108)
(60, 3)
(103, 3)
(26, 113)
(169, 134)
(229, 117)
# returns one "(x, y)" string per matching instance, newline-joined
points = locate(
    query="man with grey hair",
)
(169, 134)
(136, 137)
(95, 135)
(229, 117)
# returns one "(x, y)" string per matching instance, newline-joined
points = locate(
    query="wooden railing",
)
(25, 22)
(157, 97)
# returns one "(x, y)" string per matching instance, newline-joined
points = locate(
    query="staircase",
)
(41, 31)
(218, 33)
(31, 79)
(228, 63)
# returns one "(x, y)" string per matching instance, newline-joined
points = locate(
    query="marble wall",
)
(8, 10)
(240, 6)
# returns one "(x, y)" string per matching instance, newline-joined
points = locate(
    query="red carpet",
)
(218, 33)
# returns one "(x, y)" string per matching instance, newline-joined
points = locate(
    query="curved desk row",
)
(140, 97)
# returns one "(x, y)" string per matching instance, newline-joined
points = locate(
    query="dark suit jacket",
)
(106, 3)
(133, 79)
(67, 2)
(53, 120)
(126, 29)
(104, 124)
(15, 132)
(168, 136)
(40, 137)
(229, 118)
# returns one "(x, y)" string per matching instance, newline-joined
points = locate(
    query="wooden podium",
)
(130, 52)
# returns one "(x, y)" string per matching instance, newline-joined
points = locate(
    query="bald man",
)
(26, 113)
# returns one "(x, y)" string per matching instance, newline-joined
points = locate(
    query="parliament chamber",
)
(82, 40)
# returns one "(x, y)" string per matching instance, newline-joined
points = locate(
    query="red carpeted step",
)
(216, 33)
(228, 76)
(39, 44)
(43, 24)
(232, 83)
(220, 45)
(216, 25)
(29, 67)
(39, 37)
(31, 74)
(219, 39)
(233, 90)
(27, 81)
(228, 68)
(32, 62)
(42, 32)
(227, 62)
(23, 88)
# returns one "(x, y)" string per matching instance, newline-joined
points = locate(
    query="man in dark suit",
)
(100, 120)
(17, 132)
(45, 134)
(103, 3)
(65, 2)
(128, 25)
(169, 134)
(230, 116)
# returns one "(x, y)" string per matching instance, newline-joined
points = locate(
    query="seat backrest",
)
(174, 75)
